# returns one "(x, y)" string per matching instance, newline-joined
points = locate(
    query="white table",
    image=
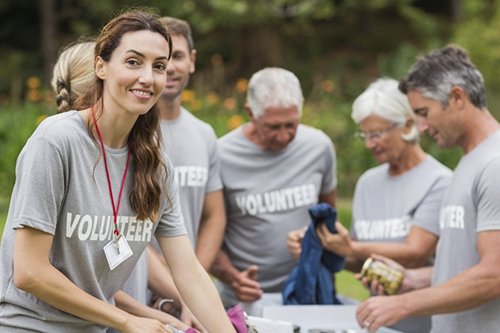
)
(326, 318)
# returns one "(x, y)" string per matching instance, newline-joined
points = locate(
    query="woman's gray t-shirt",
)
(61, 189)
(385, 207)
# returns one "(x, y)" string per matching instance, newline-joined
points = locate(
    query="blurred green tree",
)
(244, 34)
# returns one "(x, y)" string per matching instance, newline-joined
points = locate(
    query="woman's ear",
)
(410, 122)
(100, 68)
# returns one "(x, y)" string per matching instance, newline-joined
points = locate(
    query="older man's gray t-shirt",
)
(385, 207)
(61, 189)
(470, 206)
(268, 194)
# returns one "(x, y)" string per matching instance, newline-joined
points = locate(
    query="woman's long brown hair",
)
(144, 141)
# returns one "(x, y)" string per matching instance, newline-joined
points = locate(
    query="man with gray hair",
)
(273, 170)
(447, 93)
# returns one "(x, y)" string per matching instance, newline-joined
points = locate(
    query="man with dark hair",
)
(447, 93)
(191, 145)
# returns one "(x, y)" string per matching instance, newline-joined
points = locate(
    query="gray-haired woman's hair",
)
(73, 74)
(273, 87)
(383, 98)
(437, 72)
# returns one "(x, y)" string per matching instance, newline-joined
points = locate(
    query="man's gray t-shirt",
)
(61, 189)
(191, 145)
(470, 206)
(268, 194)
(385, 207)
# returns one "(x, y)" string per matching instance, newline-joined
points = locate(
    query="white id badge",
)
(118, 252)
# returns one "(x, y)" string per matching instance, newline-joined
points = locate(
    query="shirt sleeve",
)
(488, 197)
(330, 178)
(40, 186)
(214, 182)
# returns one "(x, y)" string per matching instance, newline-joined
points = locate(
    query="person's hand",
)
(376, 288)
(172, 313)
(339, 243)
(188, 318)
(245, 285)
(136, 324)
(168, 305)
(176, 322)
(294, 241)
(380, 311)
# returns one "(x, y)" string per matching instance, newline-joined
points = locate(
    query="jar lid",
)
(366, 264)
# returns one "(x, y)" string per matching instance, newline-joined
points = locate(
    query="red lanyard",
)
(116, 232)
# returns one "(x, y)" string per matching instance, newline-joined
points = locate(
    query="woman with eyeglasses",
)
(396, 204)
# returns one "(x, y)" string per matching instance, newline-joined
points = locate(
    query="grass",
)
(346, 283)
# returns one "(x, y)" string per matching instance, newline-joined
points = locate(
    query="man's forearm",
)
(467, 290)
(223, 269)
(211, 232)
(209, 242)
(419, 277)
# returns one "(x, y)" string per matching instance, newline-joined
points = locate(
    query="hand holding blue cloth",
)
(312, 280)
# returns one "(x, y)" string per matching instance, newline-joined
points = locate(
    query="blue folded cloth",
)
(312, 280)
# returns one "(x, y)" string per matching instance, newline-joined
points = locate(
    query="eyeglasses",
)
(374, 135)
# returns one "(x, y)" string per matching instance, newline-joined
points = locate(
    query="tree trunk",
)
(457, 10)
(48, 37)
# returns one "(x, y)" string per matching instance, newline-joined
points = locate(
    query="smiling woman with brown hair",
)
(92, 188)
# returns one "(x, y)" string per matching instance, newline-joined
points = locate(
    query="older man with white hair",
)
(273, 170)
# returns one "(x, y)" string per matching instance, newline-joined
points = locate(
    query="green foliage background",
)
(336, 48)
